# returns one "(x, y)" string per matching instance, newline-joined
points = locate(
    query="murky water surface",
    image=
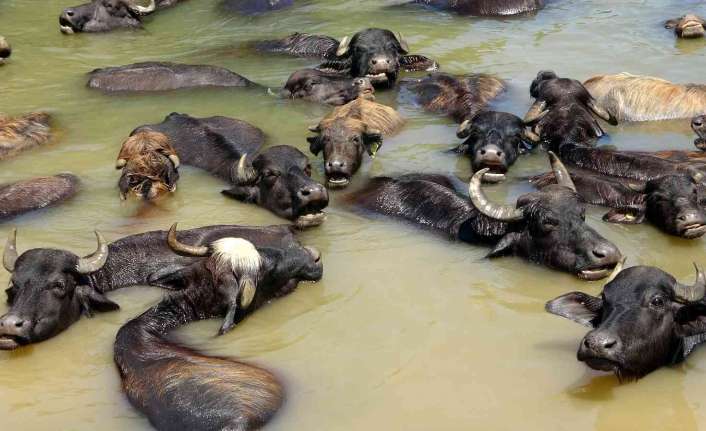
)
(405, 331)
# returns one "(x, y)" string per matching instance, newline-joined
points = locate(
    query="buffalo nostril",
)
(609, 344)
(599, 253)
(69, 12)
(305, 192)
(499, 153)
(374, 61)
(586, 344)
(482, 152)
(19, 323)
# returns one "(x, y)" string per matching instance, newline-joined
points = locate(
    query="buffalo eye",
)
(657, 302)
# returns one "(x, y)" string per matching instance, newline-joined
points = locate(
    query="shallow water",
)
(405, 331)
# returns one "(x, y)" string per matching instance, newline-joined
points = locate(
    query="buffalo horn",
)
(343, 46)
(481, 202)
(243, 173)
(179, 247)
(175, 160)
(120, 163)
(602, 113)
(9, 257)
(536, 112)
(94, 262)
(530, 135)
(314, 129)
(561, 173)
(143, 10)
(692, 293)
(464, 129)
(618, 268)
(403, 43)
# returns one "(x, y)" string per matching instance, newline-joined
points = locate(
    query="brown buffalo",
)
(23, 132)
(349, 131)
(646, 98)
(149, 165)
(36, 193)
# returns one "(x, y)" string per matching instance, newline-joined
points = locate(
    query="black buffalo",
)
(562, 112)
(485, 7)
(673, 202)
(698, 124)
(374, 53)
(644, 319)
(163, 76)
(51, 289)
(233, 279)
(494, 140)
(322, 87)
(277, 178)
(107, 15)
(546, 227)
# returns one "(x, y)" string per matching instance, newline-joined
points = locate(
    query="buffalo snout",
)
(600, 350)
(13, 328)
(691, 223)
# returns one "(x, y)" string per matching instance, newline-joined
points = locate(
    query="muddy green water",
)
(405, 331)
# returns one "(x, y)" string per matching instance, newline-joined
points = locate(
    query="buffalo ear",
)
(505, 246)
(577, 306)
(315, 145)
(372, 139)
(624, 216)
(91, 300)
(691, 319)
(245, 194)
(418, 63)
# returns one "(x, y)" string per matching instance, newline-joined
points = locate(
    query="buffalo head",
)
(494, 140)
(643, 319)
(149, 165)
(688, 26)
(279, 179)
(329, 88)
(549, 227)
(373, 53)
(103, 15)
(49, 291)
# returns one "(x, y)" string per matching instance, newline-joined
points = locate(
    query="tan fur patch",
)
(362, 114)
(645, 98)
(23, 132)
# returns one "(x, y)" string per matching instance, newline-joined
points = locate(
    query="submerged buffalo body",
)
(277, 178)
(23, 132)
(494, 140)
(644, 319)
(562, 111)
(37, 193)
(255, 7)
(51, 289)
(485, 7)
(5, 50)
(547, 228)
(349, 132)
(645, 98)
(374, 53)
(460, 97)
(233, 278)
(688, 26)
(322, 87)
(698, 125)
(161, 76)
(106, 15)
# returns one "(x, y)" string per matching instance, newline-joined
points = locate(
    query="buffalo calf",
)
(149, 166)
(688, 26)
(23, 132)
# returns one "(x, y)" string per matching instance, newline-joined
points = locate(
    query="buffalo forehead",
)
(43, 262)
(284, 157)
(632, 283)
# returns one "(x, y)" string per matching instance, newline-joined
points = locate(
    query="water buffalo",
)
(646, 98)
(349, 131)
(106, 15)
(688, 26)
(644, 319)
(329, 88)
(24, 196)
(374, 53)
(562, 111)
(460, 97)
(232, 278)
(23, 132)
(51, 289)
(254, 7)
(698, 125)
(494, 140)
(277, 178)
(670, 202)
(546, 227)
(149, 166)
(163, 76)
(5, 50)
(485, 7)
